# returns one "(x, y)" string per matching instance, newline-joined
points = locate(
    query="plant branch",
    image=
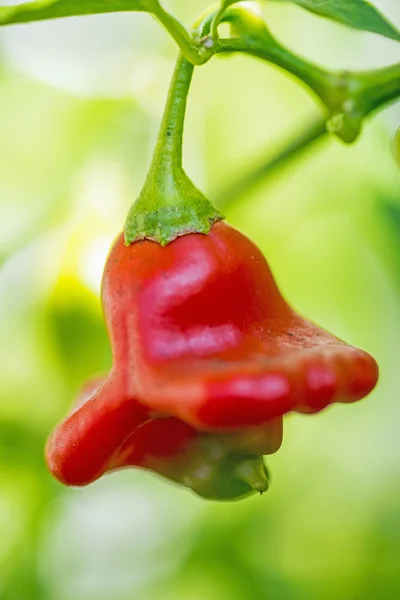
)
(349, 96)
(272, 52)
(378, 88)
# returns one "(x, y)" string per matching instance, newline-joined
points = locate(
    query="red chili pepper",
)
(200, 332)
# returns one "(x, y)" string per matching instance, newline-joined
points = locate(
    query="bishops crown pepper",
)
(207, 355)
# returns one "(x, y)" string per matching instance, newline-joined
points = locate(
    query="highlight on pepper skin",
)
(218, 467)
(204, 334)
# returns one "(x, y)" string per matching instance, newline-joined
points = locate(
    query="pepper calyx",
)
(230, 479)
(214, 471)
(167, 210)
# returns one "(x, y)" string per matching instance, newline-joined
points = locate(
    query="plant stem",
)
(268, 49)
(232, 194)
(196, 53)
(169, 204)
(379, 87)
(168, 152)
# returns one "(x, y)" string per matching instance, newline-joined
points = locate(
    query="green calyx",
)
(213, 469)
(169, 204)
(232, 479)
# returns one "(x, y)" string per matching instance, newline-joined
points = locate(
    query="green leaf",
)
(55, 9)
(357, 14)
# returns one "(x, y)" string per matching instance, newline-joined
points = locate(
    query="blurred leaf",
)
(80, 334)
(357, 14)
(20, 445)
(51, 137)
(397, 145)
(381, 578)
(389, 219)
(392, 213)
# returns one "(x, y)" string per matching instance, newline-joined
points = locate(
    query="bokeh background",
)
(80, 103)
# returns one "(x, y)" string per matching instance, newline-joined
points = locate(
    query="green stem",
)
(194, 51)
(232, 194)
(348, 96)
(269, 50)
(379, 87)
(169, 204)
(168, 152)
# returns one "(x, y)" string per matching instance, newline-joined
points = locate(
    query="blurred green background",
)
(80, 104)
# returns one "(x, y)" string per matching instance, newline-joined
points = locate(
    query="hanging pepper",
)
(207, 354)
(200, 332)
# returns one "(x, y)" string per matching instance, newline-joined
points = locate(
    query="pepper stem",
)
(169, 204)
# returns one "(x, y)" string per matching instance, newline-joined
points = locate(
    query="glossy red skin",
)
(81, 448)
(200, 331)
(156, 440)
(103, 434)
